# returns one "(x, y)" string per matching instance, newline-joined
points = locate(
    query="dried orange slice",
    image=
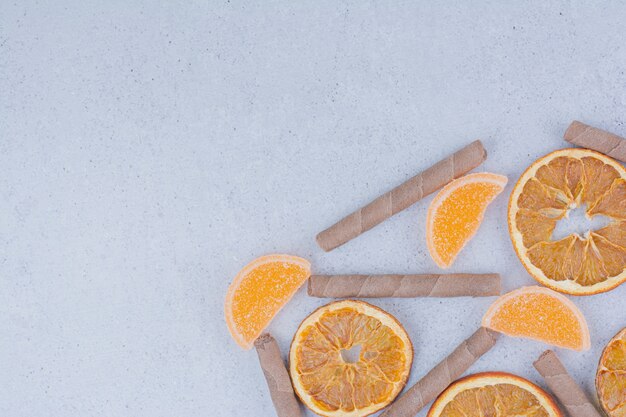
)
(259, 291)
(611, 376)
(456, 212)
(333, 385)
(541, 314)
(494, 394)
(544, 194)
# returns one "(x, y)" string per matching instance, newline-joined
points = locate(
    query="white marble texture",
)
(148, 150)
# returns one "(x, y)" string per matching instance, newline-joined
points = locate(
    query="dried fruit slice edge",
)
(485, 379)
(617, 375)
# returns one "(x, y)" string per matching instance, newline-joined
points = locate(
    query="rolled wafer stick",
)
(277, 377)
(422, 285)
(402, 196)
(442, 375)
(599, 140)
(564, 387)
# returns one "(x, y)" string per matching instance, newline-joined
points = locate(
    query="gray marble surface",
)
(148, 150)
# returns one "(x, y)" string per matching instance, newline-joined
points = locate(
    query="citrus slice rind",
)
(332, 386)
(259, 292)
(611, 376)
(494, 393)
(456, 212)
(546, 191)
(540, 314)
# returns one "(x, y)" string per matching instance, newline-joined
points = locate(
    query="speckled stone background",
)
(148, 150)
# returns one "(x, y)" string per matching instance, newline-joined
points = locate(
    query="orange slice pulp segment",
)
(456, 212)
(541, 314)
(259, 291)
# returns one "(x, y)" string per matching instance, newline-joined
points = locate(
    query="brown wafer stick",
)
(599, 140)
(421, 285)
(564, 387)
(402, 196)
(442, 375)
(277, 377)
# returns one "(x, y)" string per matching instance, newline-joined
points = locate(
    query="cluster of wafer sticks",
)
(571, 396)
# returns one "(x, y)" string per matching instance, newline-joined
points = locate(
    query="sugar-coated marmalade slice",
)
(552, 186)
(456, 212)
(259, 291)
(541, 314)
